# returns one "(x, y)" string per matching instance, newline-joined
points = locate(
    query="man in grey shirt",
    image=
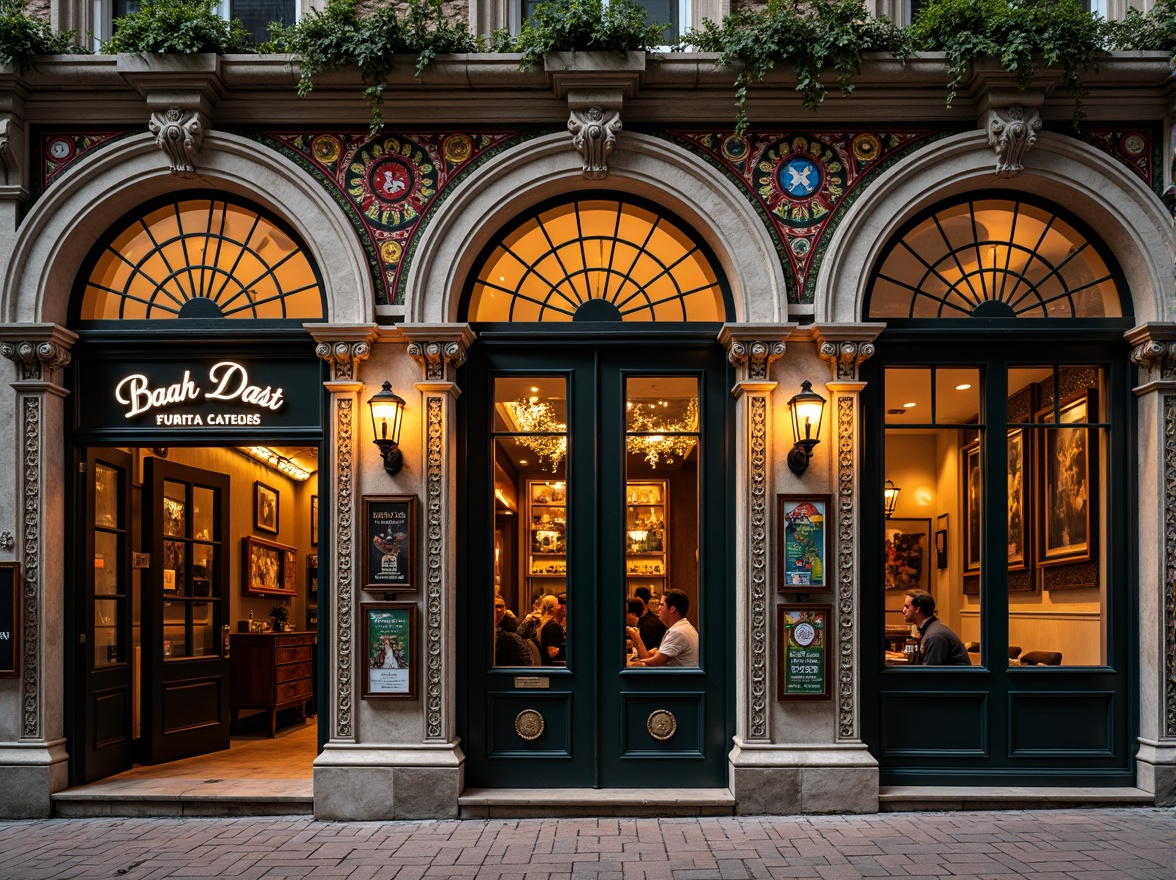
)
(679, 646)
(939, 645)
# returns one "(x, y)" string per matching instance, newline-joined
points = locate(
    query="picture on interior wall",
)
(265, 507)
(907, 546)
(268, 568)
(801, 548)
(390, 537)
(1017, 533)
(389, 650)
(972, 507)
(313, 520)
(941, 542)
(1066, 492)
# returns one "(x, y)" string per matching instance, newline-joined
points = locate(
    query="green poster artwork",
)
(803, 632)
(803, 525)
(388, 644)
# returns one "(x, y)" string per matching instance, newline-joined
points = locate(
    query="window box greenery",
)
(24, 36)
(177, 27)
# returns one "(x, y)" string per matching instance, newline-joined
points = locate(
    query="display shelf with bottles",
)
(646, 535)
(547, 536)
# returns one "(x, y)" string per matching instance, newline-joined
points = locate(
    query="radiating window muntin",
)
(597, 259)
(198, 257)
(999, 256)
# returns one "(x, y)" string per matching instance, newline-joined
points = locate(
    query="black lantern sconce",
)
(387, 412)
(807, 407)
(890, 498)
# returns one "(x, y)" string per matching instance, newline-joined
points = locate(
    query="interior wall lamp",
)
(387, 412)
(890, 498)
(807, 407)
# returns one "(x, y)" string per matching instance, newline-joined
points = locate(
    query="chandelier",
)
(536, 417)
(654, 435)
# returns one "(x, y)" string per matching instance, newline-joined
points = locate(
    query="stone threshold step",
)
(74, 804)
(914, 798)
(523, 803)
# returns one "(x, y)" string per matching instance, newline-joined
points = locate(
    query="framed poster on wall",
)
(9, 620)
(802, 542)
(908, 564)
(802, 661)
(389, 650)
(268, 568)
(389, 531)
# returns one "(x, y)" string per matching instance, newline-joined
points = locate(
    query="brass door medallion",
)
(662, 724)
(529, 724)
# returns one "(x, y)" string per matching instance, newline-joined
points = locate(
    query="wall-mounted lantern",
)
(890, 498)
(807, 407)
(387, 412)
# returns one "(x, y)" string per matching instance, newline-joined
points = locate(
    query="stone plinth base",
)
(373, 782)
(29, 774)
(793, 779)
(1155, 770)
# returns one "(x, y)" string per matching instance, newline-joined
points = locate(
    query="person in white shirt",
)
(679, 646)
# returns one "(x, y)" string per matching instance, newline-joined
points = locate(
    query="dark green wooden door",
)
(580, 519)
(1014, 464)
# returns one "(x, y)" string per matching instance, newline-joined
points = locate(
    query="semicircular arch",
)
(527, 175)
(1131, 221)
(76, 211)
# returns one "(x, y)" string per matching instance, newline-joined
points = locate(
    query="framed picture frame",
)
(314, 514)
(908, 560)
(10, 620)
(265, 508)
(802, 655)
(941, 542)
(389, 531)
(802, 542)
(389, 650)
(1020, 525)
(1066, 493)
(268, 568)
(312, 576)
(973, 509)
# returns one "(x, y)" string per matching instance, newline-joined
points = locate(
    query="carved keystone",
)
(1011, 132)
(594, 134)
(179, 133)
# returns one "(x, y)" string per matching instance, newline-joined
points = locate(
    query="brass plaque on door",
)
(529, 724)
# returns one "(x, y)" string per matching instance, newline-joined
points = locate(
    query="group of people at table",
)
(662, 638)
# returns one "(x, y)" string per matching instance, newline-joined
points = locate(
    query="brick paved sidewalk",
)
(1039, 844)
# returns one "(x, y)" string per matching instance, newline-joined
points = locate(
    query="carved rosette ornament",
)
(756, 356)
(594, 134)
(846, 357)
(1011, 132)
(179, 133)
(437, 358)
(344, 357)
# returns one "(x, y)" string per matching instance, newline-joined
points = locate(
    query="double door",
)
(591, 471)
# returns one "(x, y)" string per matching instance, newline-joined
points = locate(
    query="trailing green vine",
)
(1019, 34)
(813, 36)
(23, 36)
(1154, 30)
(177, 27)
(340, 37)
(583, 25)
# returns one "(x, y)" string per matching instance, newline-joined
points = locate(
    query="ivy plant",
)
(1154, 30)
(339, 37)
(23, 36)
(584, 25)
(177, 27)
(813, 36)
(1019, 34)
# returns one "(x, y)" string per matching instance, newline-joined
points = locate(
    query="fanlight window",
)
(202, 258)
(597, 260)
(994, 258)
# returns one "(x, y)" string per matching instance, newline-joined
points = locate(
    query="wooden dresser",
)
(270, 671)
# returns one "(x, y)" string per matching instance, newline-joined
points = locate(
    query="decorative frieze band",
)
(846, 564)
(1169, 465)
(180, 134)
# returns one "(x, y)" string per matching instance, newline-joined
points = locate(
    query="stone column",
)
(33, 760)
(1154, 353)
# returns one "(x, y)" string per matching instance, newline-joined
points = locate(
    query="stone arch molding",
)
(77, 209)
(640, 165)
(1130, 218)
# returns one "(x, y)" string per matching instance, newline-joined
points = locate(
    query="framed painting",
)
(265, 507)
(389, 650)
(908, 566)
(941, 542)
(802, 548)
(268, 568)
(1066, 494)
(389, 562)
(973, 510)
(1018, 530)
(314, 520)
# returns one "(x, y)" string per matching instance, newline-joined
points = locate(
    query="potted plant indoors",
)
(280, 615)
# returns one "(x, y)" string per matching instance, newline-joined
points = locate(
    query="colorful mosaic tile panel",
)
(388, 184)
(1137, 148)
(59, 150)
(802, 182)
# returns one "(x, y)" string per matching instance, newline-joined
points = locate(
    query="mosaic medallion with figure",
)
(391, 180)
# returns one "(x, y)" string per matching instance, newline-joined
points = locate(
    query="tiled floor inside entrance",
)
(255, 769)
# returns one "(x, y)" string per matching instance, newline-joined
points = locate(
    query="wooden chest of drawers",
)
(270, 671)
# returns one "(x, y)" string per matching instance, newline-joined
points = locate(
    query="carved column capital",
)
(37, 359)
(845, 357)
(755, 357)
(344, 356)
(437, 358)
(12, 152)
(594, 134)
(1012, 131)
(1153, 350)
(179, 133)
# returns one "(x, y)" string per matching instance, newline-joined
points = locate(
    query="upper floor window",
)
(597, 259)
(256, 15)
(676, 13)
(200, 257)
(994, 257)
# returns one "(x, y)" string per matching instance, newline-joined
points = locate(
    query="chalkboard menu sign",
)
(803, 635)
(9, 620)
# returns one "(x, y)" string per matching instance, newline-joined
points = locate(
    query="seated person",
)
(652, 629)
(553, 639)
(939, 646)
(509, 649)
(679, 646)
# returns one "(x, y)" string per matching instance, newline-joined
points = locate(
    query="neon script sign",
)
(229, 381)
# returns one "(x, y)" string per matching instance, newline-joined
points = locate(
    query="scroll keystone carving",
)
(594, 134)
(1010, 134)
(179, 133)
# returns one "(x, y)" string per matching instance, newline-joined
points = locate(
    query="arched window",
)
(597, 259)
(997, 257)
(198, 257)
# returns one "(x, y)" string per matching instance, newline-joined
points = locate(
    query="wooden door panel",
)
(663, 725)
(1070, 724)
(555, 740)
(934, 723)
